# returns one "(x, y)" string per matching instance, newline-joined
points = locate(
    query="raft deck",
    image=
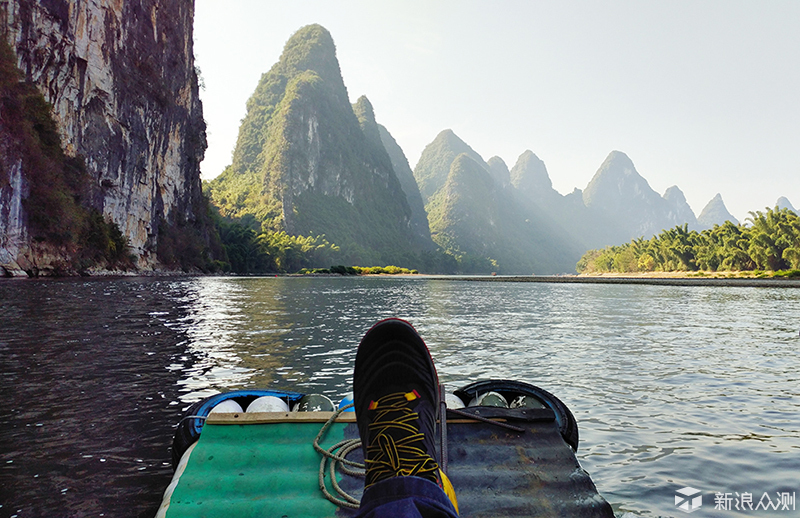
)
(264, 465)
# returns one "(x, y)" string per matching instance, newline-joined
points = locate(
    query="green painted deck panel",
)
(271, 470)
(262, 471)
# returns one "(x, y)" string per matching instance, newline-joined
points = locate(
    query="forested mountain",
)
(499, 171)
(464, 213)
(419, 218)
(534, 190)
(477, 214)
(529, 176)
(434, 164)
(620, 196)
(715, 213)
(306, 165)
(617, 205)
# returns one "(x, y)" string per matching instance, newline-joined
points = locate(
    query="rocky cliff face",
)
(120, 77)
(618, 193)
(433, 167)
(419, 218)
(679, 210)
(306, 163)
(715, 213)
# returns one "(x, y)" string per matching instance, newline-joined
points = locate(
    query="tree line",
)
(767, 240)
(247, 251)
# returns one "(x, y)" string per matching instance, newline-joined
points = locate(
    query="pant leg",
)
(406, 497)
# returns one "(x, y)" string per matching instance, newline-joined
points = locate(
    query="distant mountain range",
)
(715, 213)
(783, 203)
(309, 163)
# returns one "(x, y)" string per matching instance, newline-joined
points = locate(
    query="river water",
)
(671, 386)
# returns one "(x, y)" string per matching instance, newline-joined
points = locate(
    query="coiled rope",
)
(337, 458)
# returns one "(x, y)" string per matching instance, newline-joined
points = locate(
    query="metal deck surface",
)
(260, 465)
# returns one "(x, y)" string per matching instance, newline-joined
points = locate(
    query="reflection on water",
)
(671, 386)
(88, 400)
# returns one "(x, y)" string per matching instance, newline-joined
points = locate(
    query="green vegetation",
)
(769, 241)
(59, 185)
(460, 215)
(303, 166)
(419, 218)
(432, 169)
(486, 230)
(249, 252)
(190, 245)
(360, 270)
(386, 270)
(56, 183)
(101, 243)
(310, 166)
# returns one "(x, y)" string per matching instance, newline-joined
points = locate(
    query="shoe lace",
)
(396, 446)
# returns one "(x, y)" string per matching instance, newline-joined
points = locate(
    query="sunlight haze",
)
(702, 95)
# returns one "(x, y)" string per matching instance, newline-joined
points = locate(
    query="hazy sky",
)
(704, 95)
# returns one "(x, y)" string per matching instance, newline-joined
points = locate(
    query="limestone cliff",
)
(479, 216)
(621, 196)
(433, 167)
(715, 213)
(419, 218)
(306, 165)
(679, 210)
(121, 80)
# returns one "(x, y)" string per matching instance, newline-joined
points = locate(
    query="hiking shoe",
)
(396, 394)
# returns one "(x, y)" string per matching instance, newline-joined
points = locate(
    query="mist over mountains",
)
(307, 162)
(715, 213)
(783, 203)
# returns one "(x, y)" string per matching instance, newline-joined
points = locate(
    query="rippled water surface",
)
(671, 386)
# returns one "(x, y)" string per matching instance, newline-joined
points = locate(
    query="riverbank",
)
(649, 278)
(728, 279)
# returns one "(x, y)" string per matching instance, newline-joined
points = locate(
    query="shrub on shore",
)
(360, 270)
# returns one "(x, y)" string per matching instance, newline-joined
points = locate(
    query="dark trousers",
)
(406, 497)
